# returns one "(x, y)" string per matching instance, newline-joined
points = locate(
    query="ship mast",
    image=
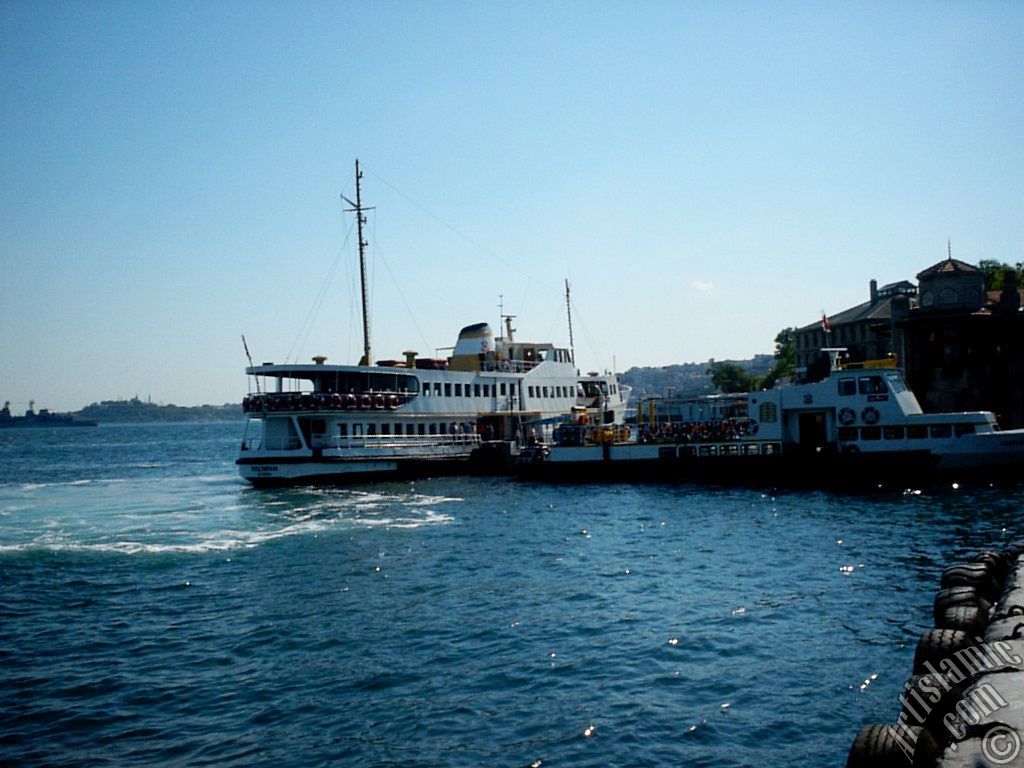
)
(568, 312)
(357, 208)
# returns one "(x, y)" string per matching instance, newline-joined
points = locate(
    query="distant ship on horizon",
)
(42, 418)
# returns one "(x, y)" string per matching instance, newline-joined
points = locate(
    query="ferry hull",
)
(903, 469)
(269, 473)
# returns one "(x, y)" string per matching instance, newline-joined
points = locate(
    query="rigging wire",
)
(379, 252)
(307, 325)
(452, 228)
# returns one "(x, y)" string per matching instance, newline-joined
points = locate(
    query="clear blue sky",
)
(704, 174)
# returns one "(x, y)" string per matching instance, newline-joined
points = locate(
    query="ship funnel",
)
(474, 344)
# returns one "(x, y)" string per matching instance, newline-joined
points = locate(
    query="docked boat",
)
(40, 418)
(310, 423)
(861, 425)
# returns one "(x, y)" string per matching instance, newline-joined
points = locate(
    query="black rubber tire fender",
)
(936, 645)
(953, 596)
(977, 575)
(965, 617)
(878, 746)
(929, 698)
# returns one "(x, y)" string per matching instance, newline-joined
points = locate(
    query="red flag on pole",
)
(826, 326)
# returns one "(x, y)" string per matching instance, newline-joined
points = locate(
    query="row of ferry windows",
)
(870, 385)
(444, 428)
(486, 390)
(914, 432)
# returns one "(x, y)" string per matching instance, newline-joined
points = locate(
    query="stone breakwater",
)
(964, 704)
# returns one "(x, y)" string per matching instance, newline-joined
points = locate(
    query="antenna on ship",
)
(357, 208)
(568, 311)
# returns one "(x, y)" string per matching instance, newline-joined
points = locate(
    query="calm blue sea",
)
(154, 610)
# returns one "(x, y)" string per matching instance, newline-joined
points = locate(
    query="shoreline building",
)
(960, 347)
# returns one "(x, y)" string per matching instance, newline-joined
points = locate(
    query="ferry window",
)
(443, 428)
(357, 430)
(941, 430)
(892, 433)
(896, 383)
(398, 428)
(410, 429)
(846, 434)
(458, 390)
(530, 390)
(767, 413)
(487, 390)
(709, 450)
(544, 391)
(426, 389)
(371, 429)
(847, 387)
(343, 430)
(771, 448)
(476, 390)
(750, 449)
(730, 450)
(433, 429)
(917, 432)
(871, 385)
(385, 429)
(437, 388)
(421, 429)
(447, 390)
(503, 392)
(870, 433)
(963, 429)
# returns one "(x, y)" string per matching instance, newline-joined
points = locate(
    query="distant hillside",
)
(136, 411)
(686, 378)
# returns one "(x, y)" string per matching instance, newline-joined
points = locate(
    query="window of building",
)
(927, 299)
(948, 296)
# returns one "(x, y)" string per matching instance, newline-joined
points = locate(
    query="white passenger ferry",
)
(861, 425)
(324, 423)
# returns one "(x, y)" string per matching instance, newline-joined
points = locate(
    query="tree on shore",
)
(997, 272)
(785, 358)
(729, 377)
